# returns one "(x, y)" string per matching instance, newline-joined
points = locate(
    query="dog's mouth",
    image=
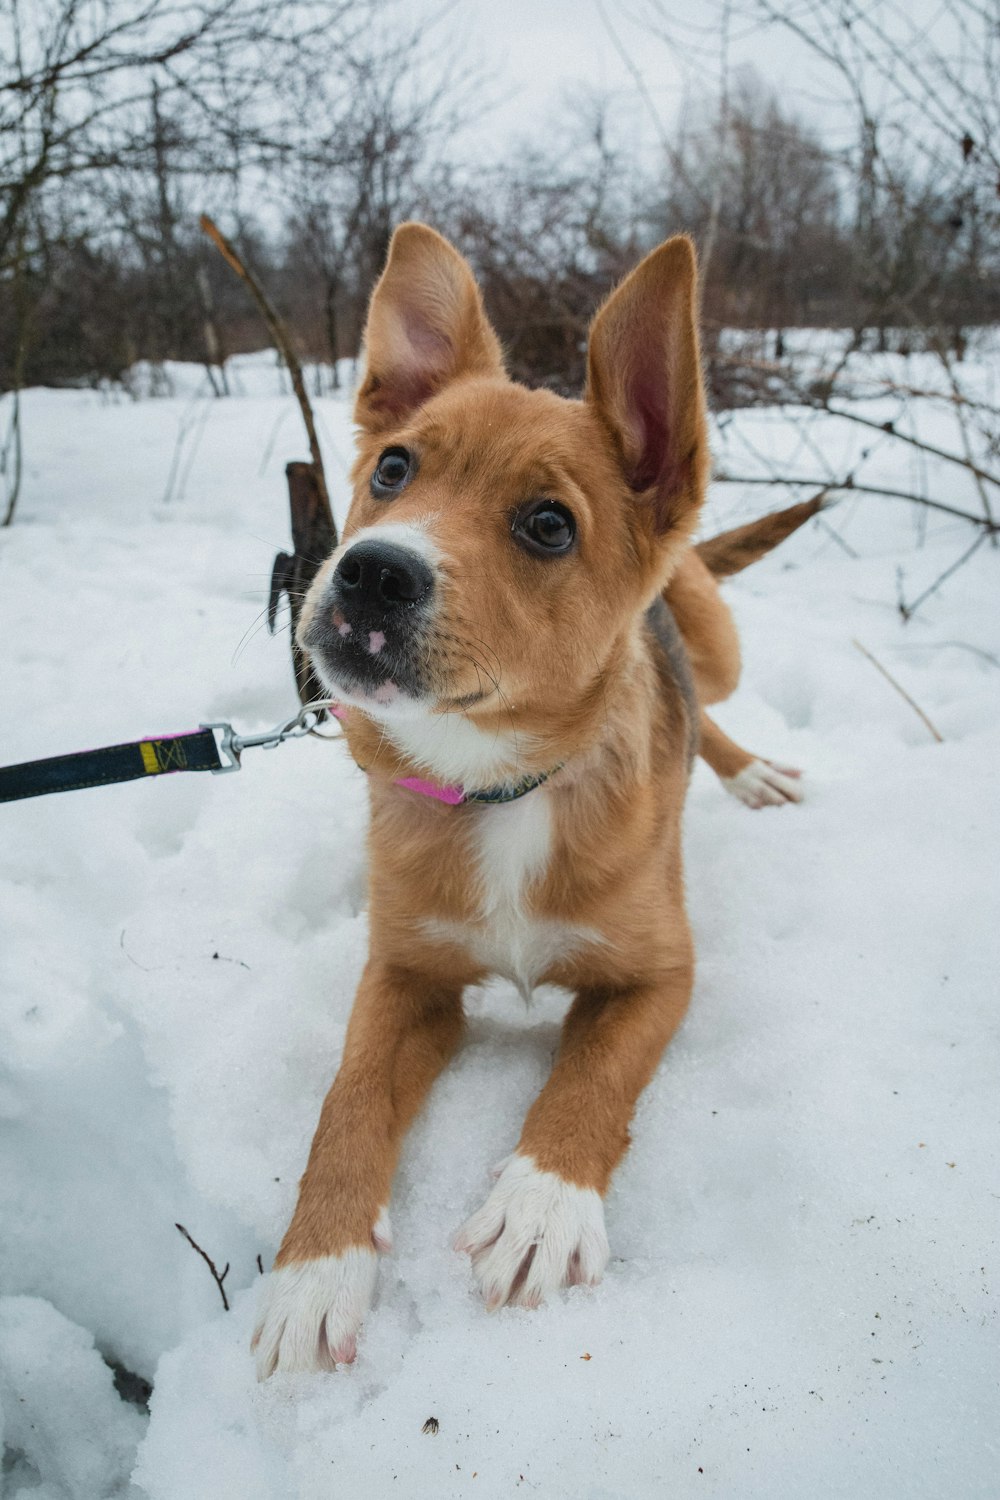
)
(390, 682)
(397, 660)
(367, 670)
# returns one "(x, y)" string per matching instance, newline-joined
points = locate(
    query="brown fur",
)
(556, 655)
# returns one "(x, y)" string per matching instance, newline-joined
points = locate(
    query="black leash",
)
(212, 747)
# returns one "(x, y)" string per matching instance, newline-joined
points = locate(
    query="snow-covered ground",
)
(802, 1299)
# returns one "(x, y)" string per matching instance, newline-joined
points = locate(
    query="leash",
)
(215, 747)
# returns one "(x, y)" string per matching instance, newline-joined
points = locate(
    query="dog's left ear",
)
(426, 327)
(644, 379)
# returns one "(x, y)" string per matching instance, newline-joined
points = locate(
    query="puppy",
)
(520, 638)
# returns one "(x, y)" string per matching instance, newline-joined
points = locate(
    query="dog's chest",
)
(510, 850)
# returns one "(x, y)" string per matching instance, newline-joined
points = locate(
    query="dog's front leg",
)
(402, 1031)
(542, 1227)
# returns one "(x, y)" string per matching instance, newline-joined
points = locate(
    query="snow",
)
(801, 1296)
(61, 1415)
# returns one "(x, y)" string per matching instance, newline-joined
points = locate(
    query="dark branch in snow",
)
(210, 1263)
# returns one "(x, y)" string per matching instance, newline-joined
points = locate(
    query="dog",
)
(521, 640)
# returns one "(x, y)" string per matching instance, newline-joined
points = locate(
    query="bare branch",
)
(210, 1263)
(850, 485)
(282, 343)
(909, 610)
(891, 429)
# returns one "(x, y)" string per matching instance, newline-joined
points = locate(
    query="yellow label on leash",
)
(148, 752)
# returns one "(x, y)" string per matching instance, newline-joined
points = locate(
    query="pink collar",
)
(455, 796)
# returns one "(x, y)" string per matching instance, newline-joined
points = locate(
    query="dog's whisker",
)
(254, 628)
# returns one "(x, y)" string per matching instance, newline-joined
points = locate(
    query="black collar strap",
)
(511, 793)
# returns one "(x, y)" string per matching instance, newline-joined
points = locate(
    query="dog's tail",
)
(732, 551)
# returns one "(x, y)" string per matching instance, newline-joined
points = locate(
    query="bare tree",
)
(365, 168)
(912, 213)
(90, 90)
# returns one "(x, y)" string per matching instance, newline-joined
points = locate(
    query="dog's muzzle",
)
(366, 632)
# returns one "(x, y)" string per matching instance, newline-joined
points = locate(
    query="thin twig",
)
(891, 430)
(210, 1263)
(963, 427)
(900, 690)
(909, 610)
(850, 485)
(281, 342)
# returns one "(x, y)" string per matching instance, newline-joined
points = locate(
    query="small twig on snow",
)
(900, 690)
(210, 1263)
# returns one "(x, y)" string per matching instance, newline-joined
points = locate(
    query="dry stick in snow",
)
(900, 690)
(314, 533)
(210, 1263)
(282, 343)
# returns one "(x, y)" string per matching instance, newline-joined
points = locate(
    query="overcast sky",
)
(540, 49)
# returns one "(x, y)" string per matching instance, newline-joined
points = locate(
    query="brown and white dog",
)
(522, 639)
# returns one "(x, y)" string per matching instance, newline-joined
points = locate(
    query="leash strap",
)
(197, 751)
(213, 747)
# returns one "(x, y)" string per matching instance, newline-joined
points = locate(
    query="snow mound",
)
(63, 1424)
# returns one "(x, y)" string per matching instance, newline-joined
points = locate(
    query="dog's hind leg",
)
(709, 633)
(707, 627)
(756, 782)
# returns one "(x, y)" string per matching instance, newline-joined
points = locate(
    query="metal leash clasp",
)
(231, 745)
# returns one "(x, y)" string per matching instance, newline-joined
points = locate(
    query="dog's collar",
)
(456, 796)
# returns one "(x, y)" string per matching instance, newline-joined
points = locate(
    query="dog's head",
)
(503, 543)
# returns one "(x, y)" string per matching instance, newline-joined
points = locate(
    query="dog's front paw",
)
(761, 784)
(311, 1310)
(534, 1234)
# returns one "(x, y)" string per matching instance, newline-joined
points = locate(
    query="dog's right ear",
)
(426, 327)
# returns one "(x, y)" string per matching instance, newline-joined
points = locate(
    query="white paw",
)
(310, 1312)
(761, 784)
(534, 1234)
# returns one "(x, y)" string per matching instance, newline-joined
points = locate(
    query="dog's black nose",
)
(382, 576)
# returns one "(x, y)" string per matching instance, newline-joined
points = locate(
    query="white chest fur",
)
(512, 846)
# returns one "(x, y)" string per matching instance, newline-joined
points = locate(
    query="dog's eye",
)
(545, 527)
(392, 471)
